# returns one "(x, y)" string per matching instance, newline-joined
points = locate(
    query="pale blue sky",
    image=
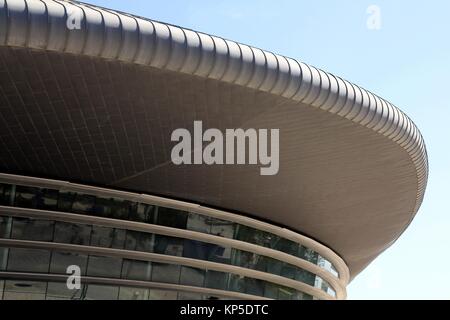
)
(407, 62)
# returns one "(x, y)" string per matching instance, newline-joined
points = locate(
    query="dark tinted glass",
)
(99, 266)
(172, 218)
(136, 270)
(72, 233)
(32, 229)
(28, 260)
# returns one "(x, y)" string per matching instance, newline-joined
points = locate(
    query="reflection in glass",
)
(108, 237)
(127, 293)
(167, 273)
(99, 266)
(32, 229)
(62, 260)
(101, 292)
(156, 294)
(24, 290)
(136, 270)
(28, 260)
(192, 276)
(72, 233)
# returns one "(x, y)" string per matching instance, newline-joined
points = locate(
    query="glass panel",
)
(62, 260)
(32, 229)
(162, 295)
(104, 266)
(236, 283)
(28, 260)
(72, 233)
(198, 222)
(286, 246)
(83, 203)
(26, 197)
(59, 291)
(128, 293)
(247, 260)
(270, 290)
(108, 237)
(168, 245)
(100, 292)
(222, 228)
(136, 270)
(5, 227)
(189, 296)
(306, 277)
(139, 241)
(143, 213)
(285, 293)
(3, 258)
(308, 254)
(254, 286)
(216, 280)
(206, 251)
(172, 218)
(166, 273)
(255, 236)
(112, 208)
(24, 290)
(5, 194)
(2, 283)
(65, 200)
(192, 277)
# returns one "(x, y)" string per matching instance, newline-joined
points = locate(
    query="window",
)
(3, 258)
(192, 277)
(128, 293)
(5, 194)
(198, 222)
(172, 218)
(143, 213)
(5, 227)
(83, 203)
(216, 280)
(139, 241)
(221, 228)
(72, 233)
(24, 290)
(99, 266)
(189, 296)
(28, 260)
(168, 245)
(100, 292)
(112, 208)
(65, 200)
(136, 270)
(61, 260)
(59, 291)
(108, 237)
(162, 295)
(166, 273)
(32, 229)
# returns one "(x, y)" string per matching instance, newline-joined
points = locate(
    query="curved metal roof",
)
(355, 166)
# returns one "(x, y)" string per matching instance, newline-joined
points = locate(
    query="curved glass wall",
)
(116, 238)
(116, 208)
(51, 290)
(65, 200)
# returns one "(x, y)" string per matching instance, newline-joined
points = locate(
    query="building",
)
(89, 98)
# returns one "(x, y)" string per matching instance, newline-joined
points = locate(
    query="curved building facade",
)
(89, 98)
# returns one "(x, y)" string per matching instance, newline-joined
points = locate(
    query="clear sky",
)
(406, 61)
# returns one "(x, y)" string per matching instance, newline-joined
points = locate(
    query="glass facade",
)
(54, 262)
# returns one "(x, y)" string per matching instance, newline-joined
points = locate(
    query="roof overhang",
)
(99, 104)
